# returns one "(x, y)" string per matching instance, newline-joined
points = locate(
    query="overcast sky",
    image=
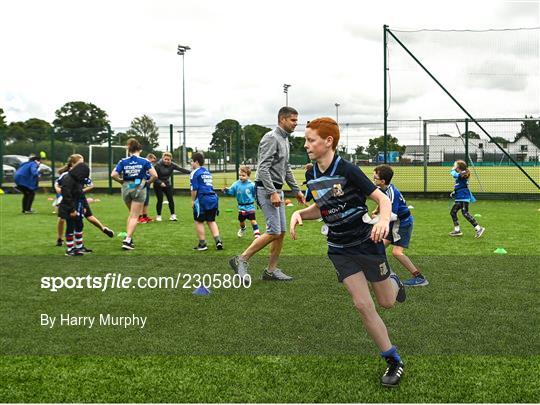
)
(121, 56)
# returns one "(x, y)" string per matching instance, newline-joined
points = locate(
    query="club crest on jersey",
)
(337, 191)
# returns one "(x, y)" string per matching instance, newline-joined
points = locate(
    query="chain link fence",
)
(421, 152)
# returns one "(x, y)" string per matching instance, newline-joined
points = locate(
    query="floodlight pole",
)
(182, 49)
(286, 91)
(337, 112)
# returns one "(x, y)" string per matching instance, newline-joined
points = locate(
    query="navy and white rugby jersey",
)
(58, 182)
(133, 167)
(340, 193)
(399, 205)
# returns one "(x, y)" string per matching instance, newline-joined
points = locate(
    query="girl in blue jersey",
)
(133, 173)
(462, 197)
(355, 247)
(204, 202)
(244, 191)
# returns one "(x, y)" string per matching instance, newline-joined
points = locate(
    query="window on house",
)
(524, 148)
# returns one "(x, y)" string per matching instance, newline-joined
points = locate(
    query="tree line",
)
(83, 123)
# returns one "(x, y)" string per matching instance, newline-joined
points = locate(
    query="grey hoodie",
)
(274, 164)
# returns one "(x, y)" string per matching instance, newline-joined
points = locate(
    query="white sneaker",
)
(276, 275)
(241, 232)
(158, 218)
(480, 232)
(173, 218)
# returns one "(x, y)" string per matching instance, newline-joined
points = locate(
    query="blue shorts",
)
(400, 235)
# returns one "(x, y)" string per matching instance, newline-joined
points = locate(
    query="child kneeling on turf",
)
(400, 229)
(204, 202)
(71, 208)
(244, 191)
(355, 247)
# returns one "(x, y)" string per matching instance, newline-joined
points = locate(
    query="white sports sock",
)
(456, 228)
(477, 227)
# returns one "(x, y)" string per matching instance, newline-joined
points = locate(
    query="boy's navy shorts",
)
(369, 257)
(205, 216)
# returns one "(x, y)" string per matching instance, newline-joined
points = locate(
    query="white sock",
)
(128, 239)
(477, 227)
(456, 228)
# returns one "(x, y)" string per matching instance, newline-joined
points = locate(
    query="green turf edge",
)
(343, 379)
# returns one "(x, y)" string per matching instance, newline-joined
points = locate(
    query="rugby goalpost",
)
(90, 149)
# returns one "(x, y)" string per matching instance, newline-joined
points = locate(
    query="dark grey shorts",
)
(133, 194)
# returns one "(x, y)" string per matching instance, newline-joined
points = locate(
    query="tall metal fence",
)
(421, 152)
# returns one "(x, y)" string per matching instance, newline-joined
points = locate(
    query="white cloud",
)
(121, 55)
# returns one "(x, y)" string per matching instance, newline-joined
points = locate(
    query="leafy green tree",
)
(359, 150)
(3, 122)
(252, 135)
(33, 130)
(530, 130)
(297, 145)
(500, 140)
(15, 131)
(376, 145)
(145, 130)
(81, 122)
(225, 135)
(471, 135)
(37, 130)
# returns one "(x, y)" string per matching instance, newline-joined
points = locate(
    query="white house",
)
(449, 148)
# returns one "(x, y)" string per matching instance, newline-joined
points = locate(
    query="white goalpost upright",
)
(101, 146)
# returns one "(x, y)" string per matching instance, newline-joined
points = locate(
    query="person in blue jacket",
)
(26, 179)
(462, 197)
(244, 191)
(204, 202)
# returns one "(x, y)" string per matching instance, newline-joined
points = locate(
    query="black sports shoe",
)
(108, 232)
(393, 373)
(84, 249)
(401, 292)
(59, 242)
(219, 245)
(74, 252)
(128, 245)
(201, 247)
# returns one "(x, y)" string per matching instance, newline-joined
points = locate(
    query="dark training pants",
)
(464, 207)
(28, 197)
(168, 191)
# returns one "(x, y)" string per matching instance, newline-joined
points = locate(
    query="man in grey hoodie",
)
(273, 171)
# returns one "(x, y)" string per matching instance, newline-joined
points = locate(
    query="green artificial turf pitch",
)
(470, 336)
